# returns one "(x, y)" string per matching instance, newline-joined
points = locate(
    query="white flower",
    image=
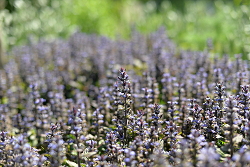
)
(52, 152)
(100, 116)
(246, 157)
(60, 142)
(52, 146)
(16, 146)
(132, 153)
(208, 154)
(27, 146)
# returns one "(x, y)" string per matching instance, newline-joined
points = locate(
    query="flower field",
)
(93, 101)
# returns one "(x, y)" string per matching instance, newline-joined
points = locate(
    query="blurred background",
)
(190, 23)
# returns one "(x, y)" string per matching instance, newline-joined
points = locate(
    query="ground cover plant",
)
(93, 101)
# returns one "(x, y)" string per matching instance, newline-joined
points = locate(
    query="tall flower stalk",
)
(124, 105)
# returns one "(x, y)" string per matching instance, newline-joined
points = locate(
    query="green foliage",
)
(33, 22)
(225, 23)
(69, 163)
(220, 142)
(94, 16)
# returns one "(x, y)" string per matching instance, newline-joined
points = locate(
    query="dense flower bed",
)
(72, 103)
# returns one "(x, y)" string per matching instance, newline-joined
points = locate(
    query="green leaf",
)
(71, 164)
(89, 154)
(220, 142)
(238, 138)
